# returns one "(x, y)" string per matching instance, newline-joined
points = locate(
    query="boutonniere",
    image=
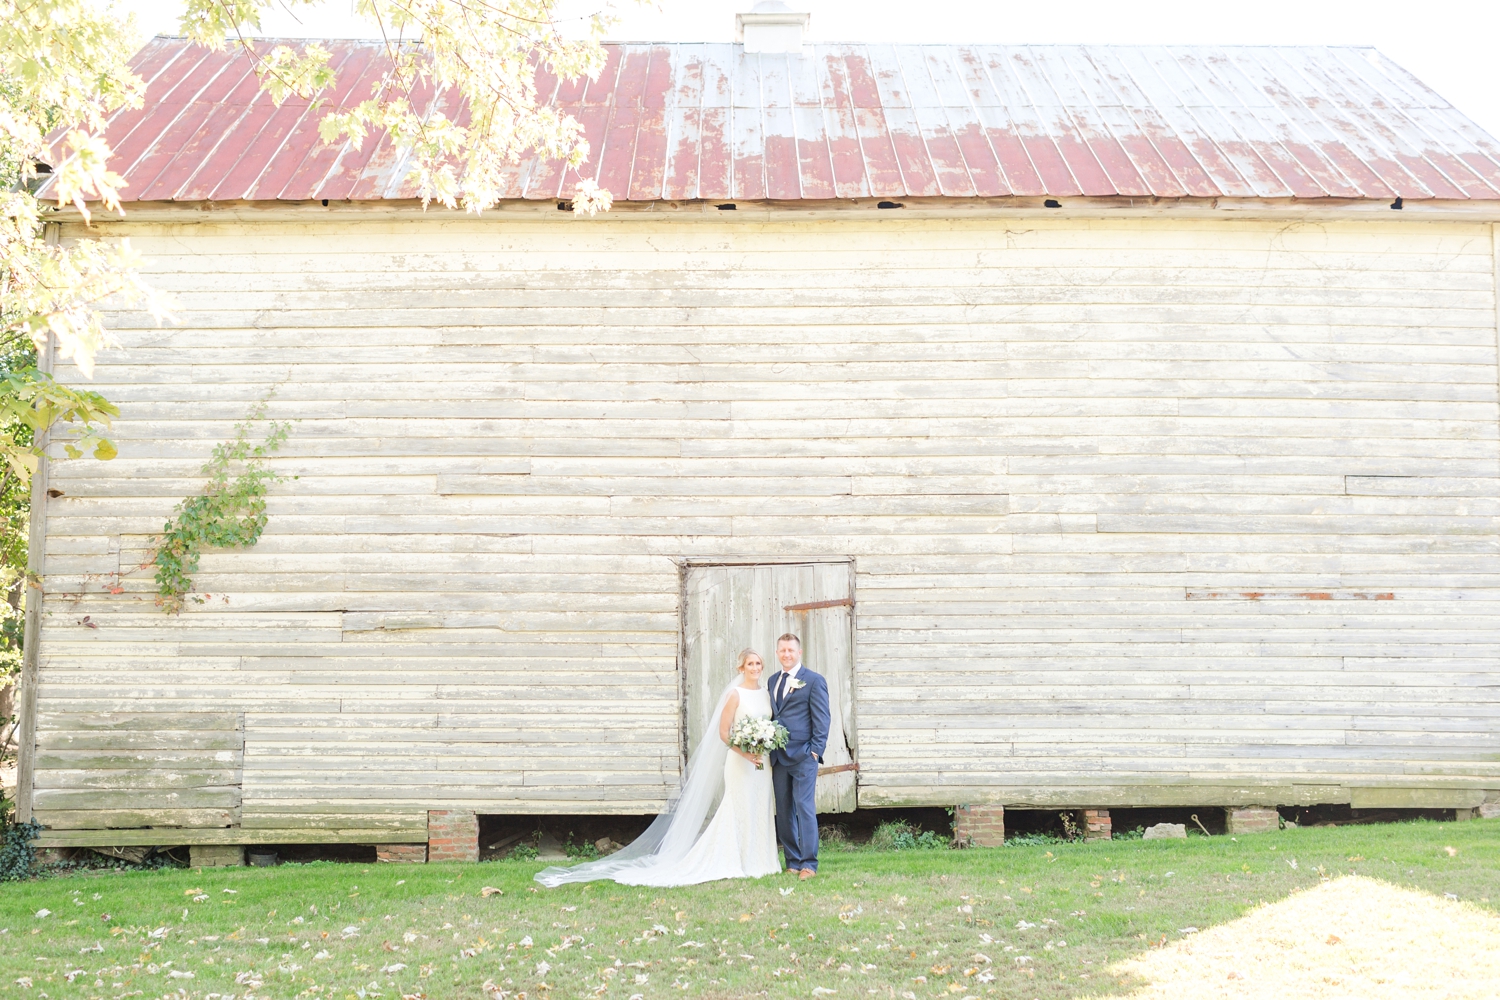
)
(797, 685)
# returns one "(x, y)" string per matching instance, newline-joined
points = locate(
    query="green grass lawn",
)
(1020, 922)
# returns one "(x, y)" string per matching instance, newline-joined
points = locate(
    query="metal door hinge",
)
(842, 602)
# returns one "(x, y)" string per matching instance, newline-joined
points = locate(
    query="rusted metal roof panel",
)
(685, 121)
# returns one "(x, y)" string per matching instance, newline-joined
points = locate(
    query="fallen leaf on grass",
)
(490, 890)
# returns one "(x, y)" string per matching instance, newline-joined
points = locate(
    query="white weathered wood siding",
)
(1098, 478)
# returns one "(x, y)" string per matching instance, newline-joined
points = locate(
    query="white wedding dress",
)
(740, 840)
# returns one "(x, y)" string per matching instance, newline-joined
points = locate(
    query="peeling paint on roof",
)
(710, 121)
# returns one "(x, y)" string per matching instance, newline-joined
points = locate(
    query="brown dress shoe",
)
(806, 874)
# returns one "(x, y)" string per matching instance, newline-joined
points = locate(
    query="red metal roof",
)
(680, 121)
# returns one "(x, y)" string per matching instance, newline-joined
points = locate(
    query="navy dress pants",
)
(796, 788)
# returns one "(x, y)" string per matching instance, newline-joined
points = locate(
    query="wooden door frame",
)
(687, 563)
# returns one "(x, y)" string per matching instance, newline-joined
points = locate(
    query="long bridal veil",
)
(672, 834)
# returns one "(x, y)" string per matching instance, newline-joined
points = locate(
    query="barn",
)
(1117, 424)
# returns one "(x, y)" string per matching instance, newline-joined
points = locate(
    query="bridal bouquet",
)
(757, 736)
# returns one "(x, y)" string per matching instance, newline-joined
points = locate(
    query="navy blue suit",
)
(794, 769)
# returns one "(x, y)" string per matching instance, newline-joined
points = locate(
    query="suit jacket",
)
(804, 712)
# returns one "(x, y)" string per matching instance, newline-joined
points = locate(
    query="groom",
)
(799, 701)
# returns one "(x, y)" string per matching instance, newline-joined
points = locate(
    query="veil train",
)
(672, 834)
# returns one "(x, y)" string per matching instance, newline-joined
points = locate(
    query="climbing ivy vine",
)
(230, 513)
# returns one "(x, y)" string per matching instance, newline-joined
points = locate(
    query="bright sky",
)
(1449, 44)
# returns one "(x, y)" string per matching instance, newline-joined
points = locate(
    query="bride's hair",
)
(745, 654)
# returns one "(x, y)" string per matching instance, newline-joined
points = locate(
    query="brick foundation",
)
(1097, 825)
(982, 826)
(452, 835)
(1490, 810)
(1252, 819)
(215, 855)
(402, 854)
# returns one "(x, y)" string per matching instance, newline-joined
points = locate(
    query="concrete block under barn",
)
(1106, 449)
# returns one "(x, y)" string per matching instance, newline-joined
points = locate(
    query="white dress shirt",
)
(787, 676)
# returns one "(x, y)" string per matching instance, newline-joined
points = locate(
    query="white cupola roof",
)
(771, 26)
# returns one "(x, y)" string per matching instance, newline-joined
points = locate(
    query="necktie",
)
(781, 689)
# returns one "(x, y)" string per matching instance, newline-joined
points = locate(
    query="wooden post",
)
(32, 588)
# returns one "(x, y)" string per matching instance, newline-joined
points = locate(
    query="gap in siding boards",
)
(1143, 501)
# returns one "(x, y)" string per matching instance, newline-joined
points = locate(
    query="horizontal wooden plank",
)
(145, 779)
(92, 818)
(174, 837)
(89, 739)
(1416, 798)
(149, 722)
(189, 798)
(262, 819)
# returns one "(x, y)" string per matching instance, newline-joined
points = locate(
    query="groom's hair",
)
(790, 638)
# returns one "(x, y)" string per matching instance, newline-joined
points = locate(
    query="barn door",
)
(731, 607)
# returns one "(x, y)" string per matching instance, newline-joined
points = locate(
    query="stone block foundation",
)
(407, 854)
(1252, 819)
(1096, 825)
(452, 835)
(982, 826)
(215, 855)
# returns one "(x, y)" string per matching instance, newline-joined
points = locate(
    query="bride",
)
(739, 842)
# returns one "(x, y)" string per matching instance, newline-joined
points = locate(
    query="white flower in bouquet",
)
(757, 737)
